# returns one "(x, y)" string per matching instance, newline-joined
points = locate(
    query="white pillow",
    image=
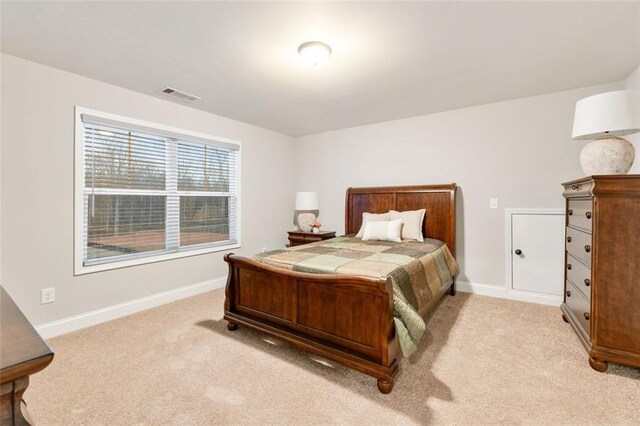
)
(384, 231)
(412, 223)
(371, 217)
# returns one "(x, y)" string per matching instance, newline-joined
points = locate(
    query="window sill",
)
(81, 269)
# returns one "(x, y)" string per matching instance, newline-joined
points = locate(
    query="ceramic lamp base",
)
(607, 156)
(305, 220)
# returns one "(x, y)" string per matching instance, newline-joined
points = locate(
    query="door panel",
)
(540, 266)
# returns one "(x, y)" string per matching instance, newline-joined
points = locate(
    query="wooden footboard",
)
(347, 319)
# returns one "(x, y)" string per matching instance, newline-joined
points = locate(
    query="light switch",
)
(493, 203)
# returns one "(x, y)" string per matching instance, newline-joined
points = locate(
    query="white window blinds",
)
(206, 186)
(149, 193)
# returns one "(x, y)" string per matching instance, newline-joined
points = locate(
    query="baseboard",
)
(77, 322)
(505, 293)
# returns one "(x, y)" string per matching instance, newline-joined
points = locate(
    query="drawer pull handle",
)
(570, 212)
(587, 316)
(568, 266)
(575, 187)
(587, 282)
(568, 239)
(518, 252)
(568, 293)
(588, 215)
(587, 248)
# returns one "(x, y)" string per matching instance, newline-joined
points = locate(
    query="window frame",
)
(79, 186)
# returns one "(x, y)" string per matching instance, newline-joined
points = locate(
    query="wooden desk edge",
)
(27, 368)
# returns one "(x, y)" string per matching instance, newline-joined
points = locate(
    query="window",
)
(146, 192)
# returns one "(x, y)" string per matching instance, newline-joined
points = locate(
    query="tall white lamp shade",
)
(306, 201)
(306, 210)
(604, 118)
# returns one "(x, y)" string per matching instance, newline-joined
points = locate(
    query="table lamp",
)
(306, 210)
(604, 118)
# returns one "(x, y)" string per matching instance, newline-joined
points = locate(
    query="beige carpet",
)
(484, 360)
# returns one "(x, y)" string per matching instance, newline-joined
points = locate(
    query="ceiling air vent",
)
(180, 94)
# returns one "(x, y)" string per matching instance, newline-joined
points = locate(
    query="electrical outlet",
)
(47, 295)
(493, 203)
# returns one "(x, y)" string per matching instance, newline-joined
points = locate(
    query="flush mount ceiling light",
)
(314, 52)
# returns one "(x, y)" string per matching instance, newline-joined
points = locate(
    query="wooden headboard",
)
(439, 200)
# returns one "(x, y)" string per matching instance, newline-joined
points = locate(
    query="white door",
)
(537, 253)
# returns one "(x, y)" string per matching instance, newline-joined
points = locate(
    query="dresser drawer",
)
(579, 245)
(580, 306)
(579, 275)
(580, 213)
(578, 189)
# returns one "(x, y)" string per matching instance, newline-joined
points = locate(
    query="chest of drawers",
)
(602, 273)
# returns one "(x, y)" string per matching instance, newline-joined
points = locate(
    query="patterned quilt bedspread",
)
(418, 270)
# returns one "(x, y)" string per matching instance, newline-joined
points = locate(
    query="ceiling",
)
(390, 60)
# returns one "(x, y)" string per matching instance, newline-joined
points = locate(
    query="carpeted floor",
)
(484, 360)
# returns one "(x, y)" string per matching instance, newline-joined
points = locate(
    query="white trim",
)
(79, 192)
(88, 319)
(99, 117)
(504, 293)
(78, 188)
(510, 292)
(186, 252)
(117, 191)
(239, 197)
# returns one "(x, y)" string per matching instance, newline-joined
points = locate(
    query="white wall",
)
(519, 151)
(1, 58)
(37, 191)
(633, 83)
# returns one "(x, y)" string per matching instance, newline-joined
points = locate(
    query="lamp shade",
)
(607, 114)
(306, 201)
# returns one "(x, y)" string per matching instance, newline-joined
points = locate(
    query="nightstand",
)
(298, 238)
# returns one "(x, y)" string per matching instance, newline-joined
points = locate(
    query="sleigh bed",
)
(345, 318)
